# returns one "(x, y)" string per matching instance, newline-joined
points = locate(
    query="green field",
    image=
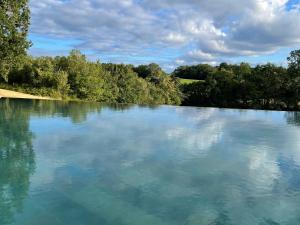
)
(188, 81)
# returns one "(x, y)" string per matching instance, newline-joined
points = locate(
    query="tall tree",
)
(294, 63)
(14, 23)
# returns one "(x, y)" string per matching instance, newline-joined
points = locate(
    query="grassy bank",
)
(189, 81)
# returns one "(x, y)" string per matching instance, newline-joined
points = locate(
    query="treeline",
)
(241, 86)
(74, 77)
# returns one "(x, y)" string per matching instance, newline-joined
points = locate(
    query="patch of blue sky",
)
(291, 4)
(165, 12)
(137, 1)
(52, 44)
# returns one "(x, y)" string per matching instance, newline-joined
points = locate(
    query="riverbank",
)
(13, 94)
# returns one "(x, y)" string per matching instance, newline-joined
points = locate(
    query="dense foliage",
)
(263, 86)
(77, 78)
(74, 77)
(195, 72)
(14, 23)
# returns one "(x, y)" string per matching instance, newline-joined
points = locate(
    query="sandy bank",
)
(13, 94)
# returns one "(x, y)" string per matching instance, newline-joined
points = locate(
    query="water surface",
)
(90, 164)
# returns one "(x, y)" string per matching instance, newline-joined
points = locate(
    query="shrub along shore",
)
(265, 86)
(73, 77)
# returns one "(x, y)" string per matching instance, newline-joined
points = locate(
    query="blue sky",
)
(168, 32)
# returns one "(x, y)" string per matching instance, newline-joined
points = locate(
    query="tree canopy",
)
(265, 86)
(75, 77)
(14, 24)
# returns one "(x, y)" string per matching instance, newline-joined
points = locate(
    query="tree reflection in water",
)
(17, 157)
(17, 161)
(293, 118)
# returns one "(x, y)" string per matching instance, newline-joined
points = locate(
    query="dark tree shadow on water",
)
(293, 118)
(17, 157)
(17, 161)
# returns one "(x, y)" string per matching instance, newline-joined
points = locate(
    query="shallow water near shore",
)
(88, 163)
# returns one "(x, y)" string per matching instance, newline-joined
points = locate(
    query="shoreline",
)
(19, 95)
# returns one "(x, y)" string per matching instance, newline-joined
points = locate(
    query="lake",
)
(90, 164)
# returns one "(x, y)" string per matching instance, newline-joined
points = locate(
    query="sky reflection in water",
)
(86, 163)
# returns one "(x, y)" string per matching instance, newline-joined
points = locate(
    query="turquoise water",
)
(86, 164)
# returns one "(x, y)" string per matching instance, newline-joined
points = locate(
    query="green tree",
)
(294, 63)
(14, 23)
(197, 72)
(85, 78)
(293, 82)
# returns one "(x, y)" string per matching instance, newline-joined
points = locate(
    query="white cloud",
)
(199, 54)
(199, 30)
(263, 172)
(179, 61)
(176, 38)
